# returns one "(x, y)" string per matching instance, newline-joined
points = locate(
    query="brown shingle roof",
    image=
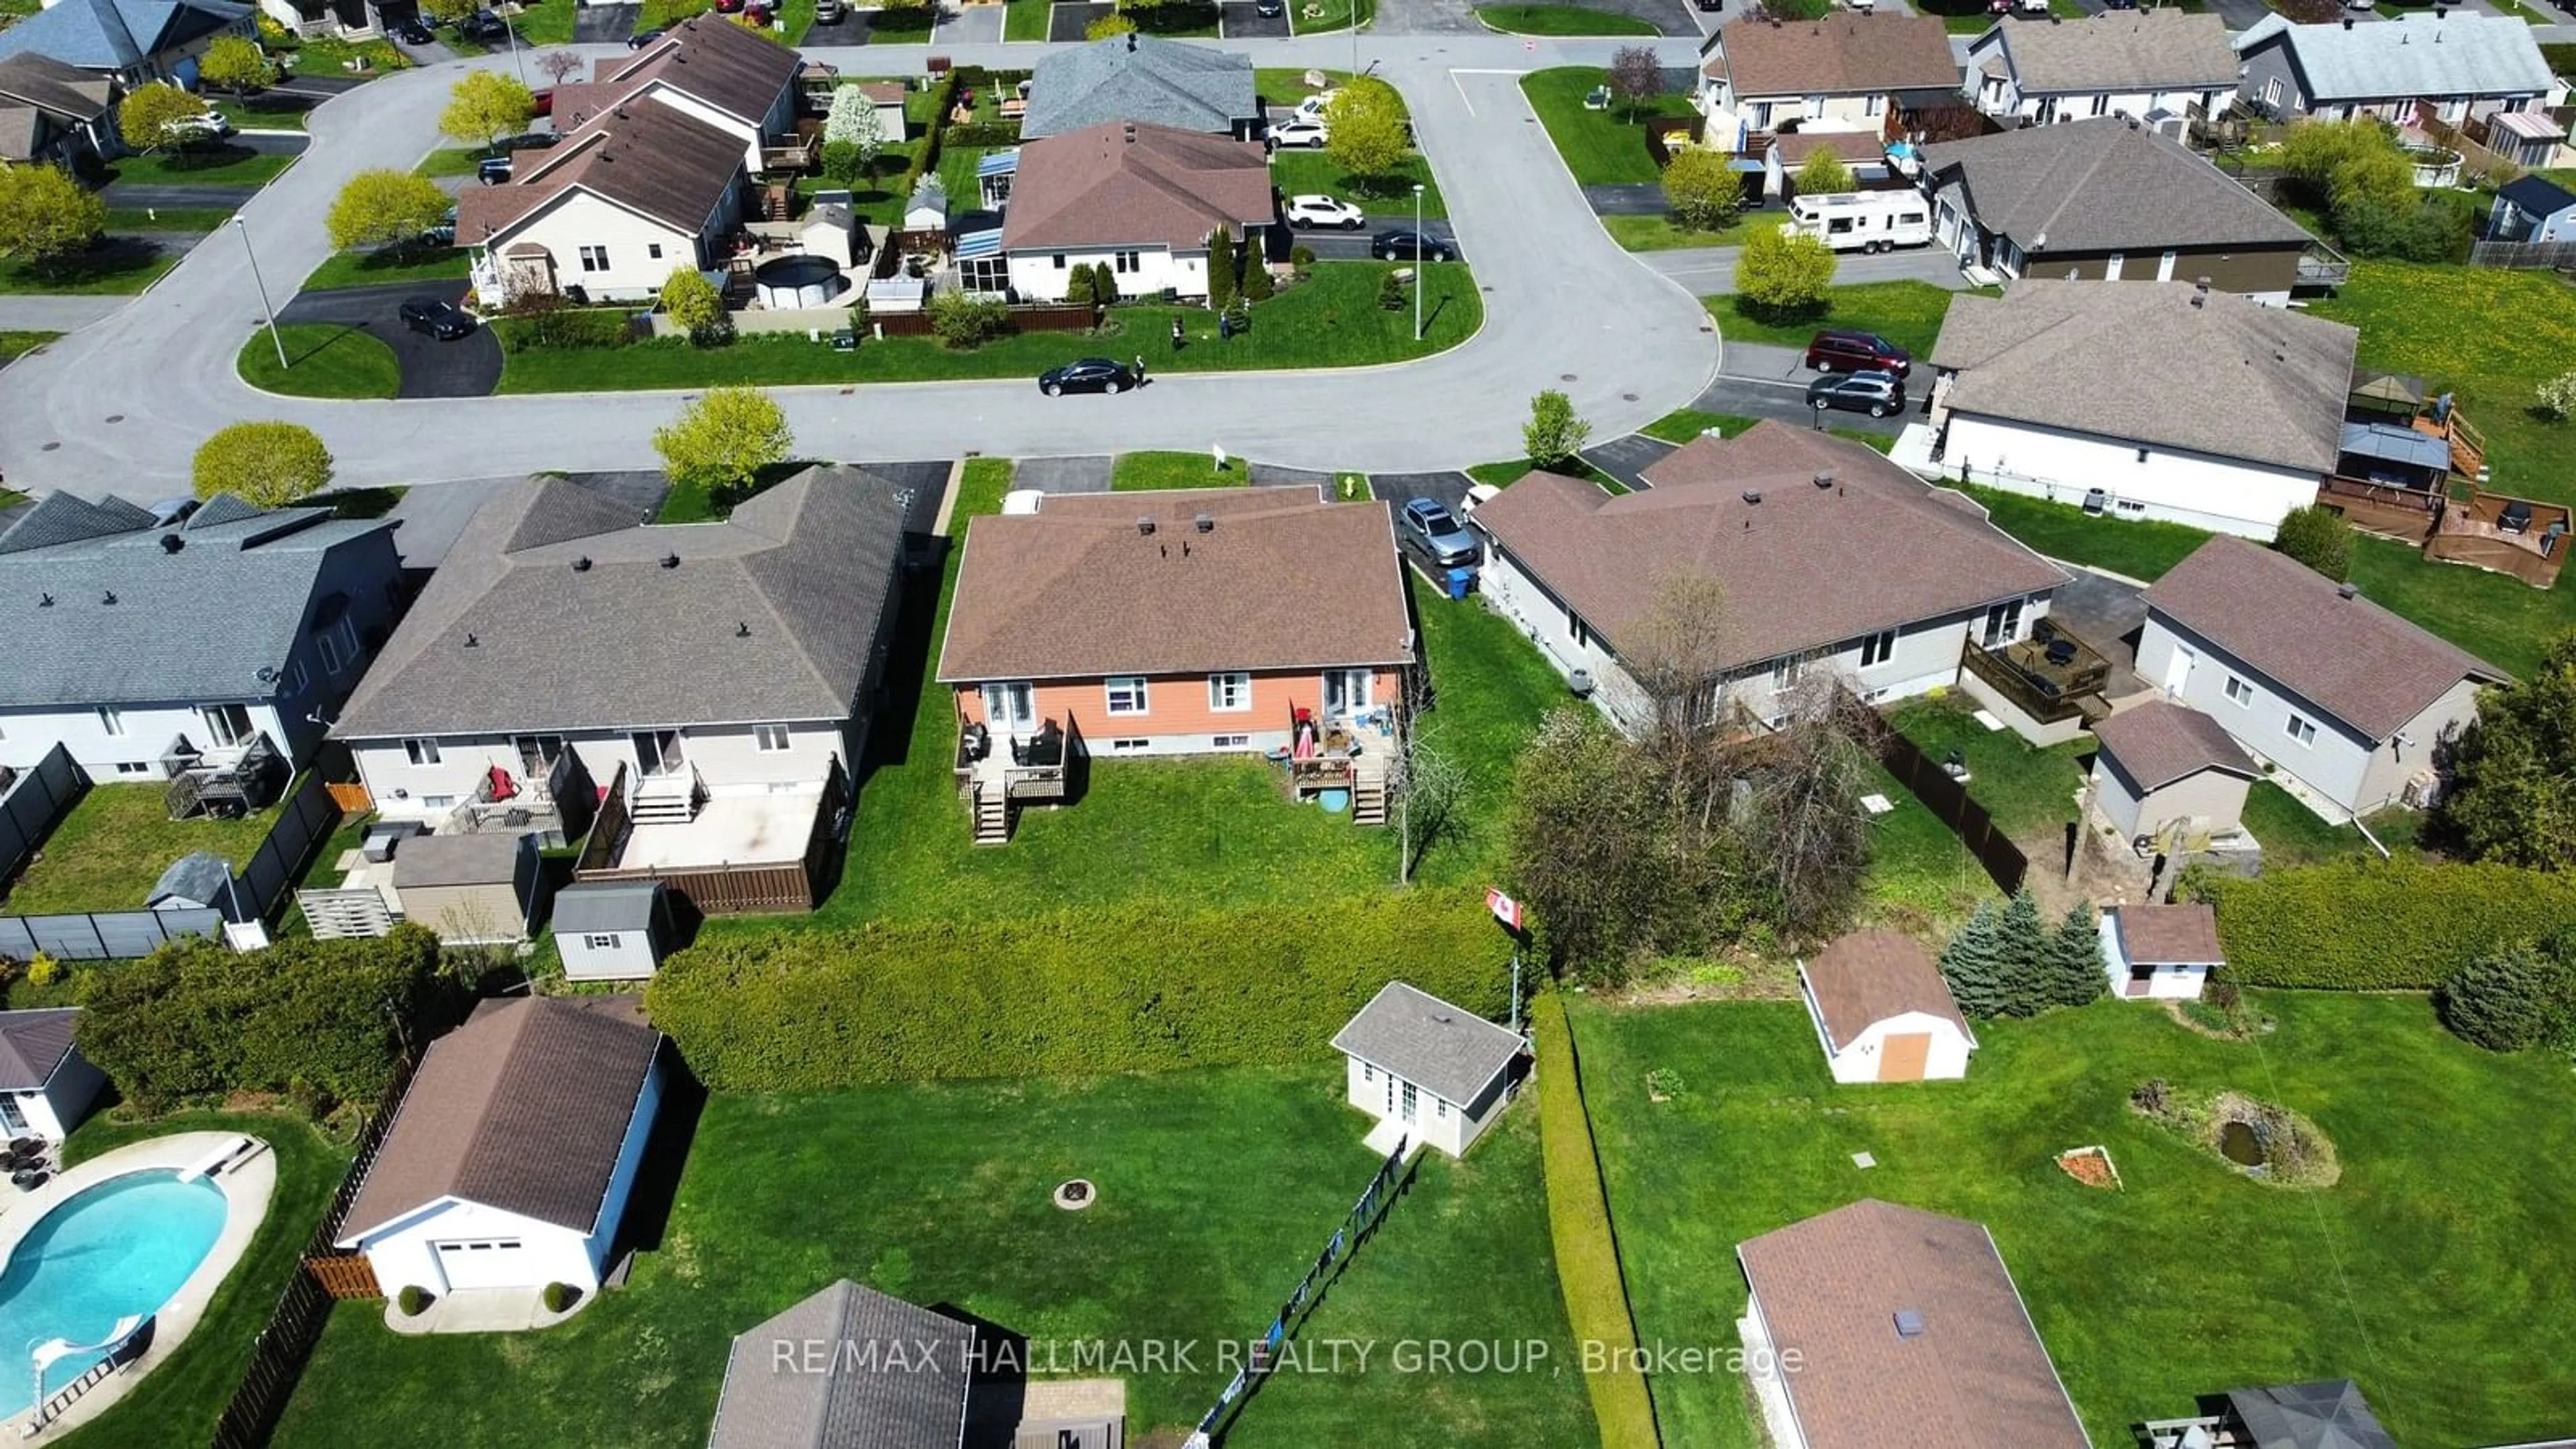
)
(2350, 658)
(523, 1108)
(1974, 1376)
(2133, 50)
(2159, 742)
(1282, 580)
(1868, 976)
(1894, 550)
(1135, 184)
(714, 60)
(648, 157)
(1844, 53)
(2184, 935)
(33, 1045)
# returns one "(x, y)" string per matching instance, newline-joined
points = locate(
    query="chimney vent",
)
(2347, 22)
(172, 543)
(670, 560)
(1825, 479)
(44, 601)
(109, 598)
(1909, 1323)
(1752, 495)
(2348, 591)
(581, 565)
(1145, 524)
(472, 642)
(742, 630)
(1205, 522)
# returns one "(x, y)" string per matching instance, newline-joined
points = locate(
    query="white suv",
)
(1310, 135)
(1318, 210)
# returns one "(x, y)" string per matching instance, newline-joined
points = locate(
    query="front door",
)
(537, 755)
(2003, 624)
(1346, 692)
(1010, 709)
(1408, 1104)
(2178, 672)
(1902, 1059)
(658, 752)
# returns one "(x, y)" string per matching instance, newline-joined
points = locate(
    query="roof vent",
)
(2348, 591)
(1145, 524)
(1909, 1323)
(1205, 522)
(1752, 495)
(670, 560)
(44, 601)
(742, 629)
(109, 597)
(1825, 479)
(2347, 22)
(172, 543)
(1131, 133)
(1131, 42)
(471, 642)
(581, 565)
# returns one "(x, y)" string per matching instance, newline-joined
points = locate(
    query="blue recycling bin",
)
(1460, 580)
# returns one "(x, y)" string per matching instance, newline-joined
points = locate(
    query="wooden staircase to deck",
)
(666, 800)
(1368, 791)
(992, 807)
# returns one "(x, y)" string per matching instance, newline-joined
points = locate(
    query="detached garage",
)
(510, 1160)
(1883, 1012)
(2167, 767)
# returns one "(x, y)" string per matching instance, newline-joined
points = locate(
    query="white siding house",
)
(46, 1085)
(1426, 1070)
(1141, 199)
(1882, 1012)
(1142, 270)
(1842, 73)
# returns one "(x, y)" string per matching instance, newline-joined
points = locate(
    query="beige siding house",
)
(2163, 66)
(2161, 765)
(1429, 1072)
(1840, 73)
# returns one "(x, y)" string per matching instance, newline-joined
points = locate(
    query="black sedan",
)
(1091, 374)
(1875, 393)
(642, 38)
(412, 32)
(1403, 243)
(440, 319)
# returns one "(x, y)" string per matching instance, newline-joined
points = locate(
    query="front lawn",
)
(1601, 147)
(1687, 425)
(118, 266)
(108, 853)
(222, 164)
(1331, 320)
(323, 359)
(2420, 1274)
(1388, 199)
(1663, 234)
(1329, 15)
(1135, 472)
(1559, 20)
(1216, 1191)
(14, 345)
(1026, 19)
(449, 161)
(389, 264)
(167, 218)
(185, 1393)
(1906, 313)
(544, 22)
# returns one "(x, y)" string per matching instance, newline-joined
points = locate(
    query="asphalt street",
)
(1628, 345)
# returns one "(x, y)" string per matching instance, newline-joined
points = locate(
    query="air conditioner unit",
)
(2423, 789)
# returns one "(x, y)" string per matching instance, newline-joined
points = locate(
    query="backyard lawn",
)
(1217, 1190)
(1331, 320)
(181, 1398)
(2419, 1275)
(323, 359)
(108, 853)
(2029, 792)
(389, 264)
(2140, 549)
(1906, 313)
(1387, 199)
(1921, 880)
(1600, 147)
(1559, 20)
(2293, 835)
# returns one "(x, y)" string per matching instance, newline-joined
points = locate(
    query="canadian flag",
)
(1505, 909)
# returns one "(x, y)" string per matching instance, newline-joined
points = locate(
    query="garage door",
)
(484, 1263)
(1902, 1058)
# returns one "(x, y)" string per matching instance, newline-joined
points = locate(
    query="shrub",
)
(844, 162)
(271, 464)
(982, 133)
(1088, 989)
(1302, 257)
(411, 1300)
(2521, 997)
(2318, 537)
(1257, 282)
(1702, 189)
(42, 969)
(1782, 276)
(2557, 396)
(696, 307)
(2395, 925)
(1587, 1253)
(550, 321)
(1555, 433)
(967, 319)
(557, 1297)
(1391, 295)
(1107, 26)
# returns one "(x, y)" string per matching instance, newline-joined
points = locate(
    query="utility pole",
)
(256, 281)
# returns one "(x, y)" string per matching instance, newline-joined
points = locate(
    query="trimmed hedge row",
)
(1126, 988)
(2392, 925)
(1587, 1253)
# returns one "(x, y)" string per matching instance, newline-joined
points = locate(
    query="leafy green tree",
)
(2513, 784)
(46, 216)
(1555, 433)
(2314, 151)
(2318, 537)
(843, 162)
(233, 64)
(968, 319)
(854, 121)
(151, 117)
(384, 207)
(484, 106)
(696, 307)
(1220, 269)
(2384, 176)
(1782, 274)
(1975, 963)
(1702, 191)
(1367, 131)
(2519, 997)
(271, 464)
(721, 442)
(448, 12)
(1107, 26)
(1824, 174)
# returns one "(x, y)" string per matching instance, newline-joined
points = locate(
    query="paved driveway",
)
(604, 24)
(1399, 488)
(1710, 271)
(1240, 21)
(470, 366)
(1763, 381)
(1063, 475)
(1066, 23)
(926, 480)
(1428, 17)
(967, 25)
(1626, 200)
(1628, 458)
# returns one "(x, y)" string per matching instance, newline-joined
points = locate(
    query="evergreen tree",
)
(1078, 287)
(2075, 958)
(1256, 277)
(2025, 951)
(1104, 283)
(1220, 269)
(1973, 963)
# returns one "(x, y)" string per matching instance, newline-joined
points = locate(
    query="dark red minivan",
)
(1837, 351)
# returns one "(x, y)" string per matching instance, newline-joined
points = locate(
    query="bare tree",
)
(560, 65)
(1636, 76)
(1802, 824)
(1426, 787)
(1678, 654)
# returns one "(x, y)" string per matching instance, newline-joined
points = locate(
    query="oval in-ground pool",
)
(119, 1247)
(798, 281)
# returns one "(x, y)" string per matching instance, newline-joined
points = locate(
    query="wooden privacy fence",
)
(1946, 798)
(278, 1355)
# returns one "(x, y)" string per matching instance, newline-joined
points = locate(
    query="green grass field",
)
(107, 854)
(1332, 320)
(1216, 1191)
(221, 164)
(323, 359)
(1599, 147)
(1559, 20)
(1331, 15)
(391, 264)
(1684, 425)
(167, 218)
(116, 266)
(1906, 313)
(1388, 200)
(14, 345)
(2030, 792)
(1663, 234)
(2419, 1275)
(1136, 472)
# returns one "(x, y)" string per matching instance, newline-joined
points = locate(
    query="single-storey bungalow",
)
(613, 930)
(1882, 1011)
(131, 41)
(473, 890)
(513, 1154)
(2160, 764)
(847, 1368)
(1429, 1072)
(46, 1085)
(2340, 695)
(1907, 1329)
(1162, 83)
(606, 214)
(1840, 72)
(1918, 573)
(2160, 65)
(55, 113)
(1139, 198)
(2163, 953)
(2465, 65)
(2532, 209)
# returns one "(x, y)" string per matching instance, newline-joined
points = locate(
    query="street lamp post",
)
(515, 59)
(257, 281)
(1421, 266)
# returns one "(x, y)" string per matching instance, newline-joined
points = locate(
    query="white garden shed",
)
(1428, 1071)
(612, 930)
(2160, 953)
(1883, 1012)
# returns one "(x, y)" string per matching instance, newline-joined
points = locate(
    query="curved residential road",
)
(124, 402)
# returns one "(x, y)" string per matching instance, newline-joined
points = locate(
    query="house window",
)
(229, 724)
(422, 753)
(1232, 742)
(1347, 692)
(2111, 268)
(331, 660)
(1873, 105)
(437, 802)
(2102, 105)
(1761, 115)
(984, 274)
(1126, 695)
(772, 739)
(599, 943)
(1129, 747)
(2239, 691)
(1228, 693)
(594, 259)
(1368, 1073)
(132, 767)
(653, 250)
(1440, 1108)
(297, 676)
(1058, 260)
(2003, 623)
(2272, 93)
(111, 721)
(1786, 672)
(1127, 261)
(1877, 648)
(2300, 730)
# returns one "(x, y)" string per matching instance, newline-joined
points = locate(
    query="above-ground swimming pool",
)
(121, 1247)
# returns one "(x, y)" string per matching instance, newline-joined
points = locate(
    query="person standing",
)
(1176, 334)
(1140, 369)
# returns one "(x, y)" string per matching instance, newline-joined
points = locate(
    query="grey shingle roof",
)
(195, 624)
(117, 34)
(2119, 51)
(1140, 78)
(2462, 54)
(605, 905)
(33, 1044)
(64, 90)
(2104, 185)
(2329, 1414)
(896, 1377)
(1446, 1050)
(2138, 361)
(555, 611)
(199, 878)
